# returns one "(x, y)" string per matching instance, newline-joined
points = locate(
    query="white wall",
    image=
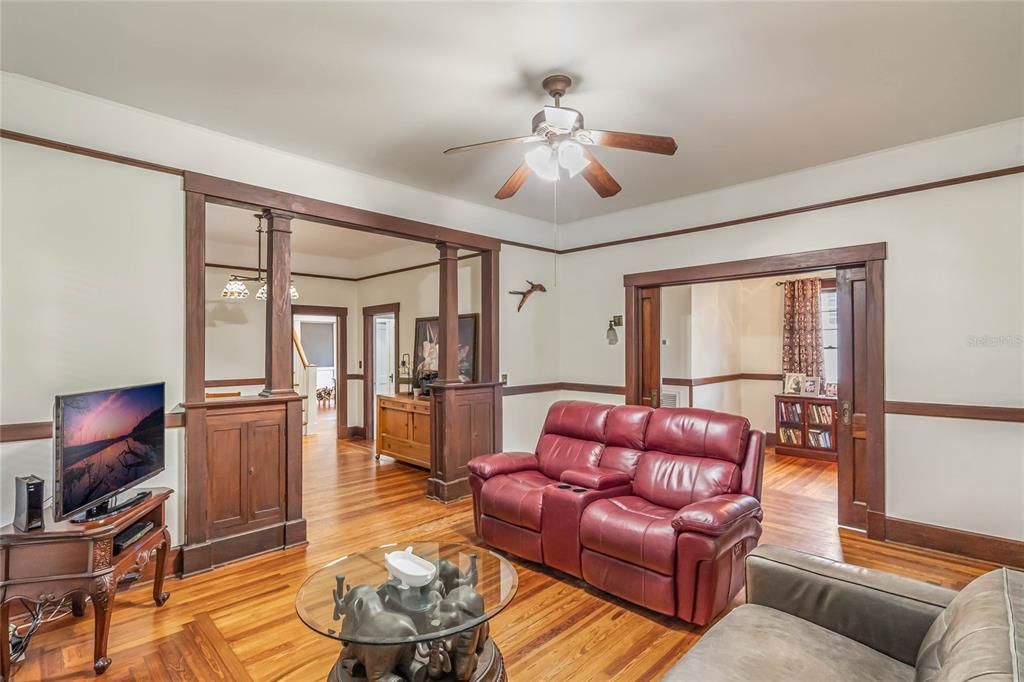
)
(92, 293)
(953, 276)
(46, 110)
(954, 301)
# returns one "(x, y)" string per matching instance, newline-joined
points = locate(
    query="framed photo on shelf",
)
(811, 386)
(793, 383)
(831, 389)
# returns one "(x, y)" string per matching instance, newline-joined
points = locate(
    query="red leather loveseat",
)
(657, 506)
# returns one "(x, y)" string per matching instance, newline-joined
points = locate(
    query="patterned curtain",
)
(802, 351)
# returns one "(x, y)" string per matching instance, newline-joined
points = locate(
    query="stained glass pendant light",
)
(235, 289)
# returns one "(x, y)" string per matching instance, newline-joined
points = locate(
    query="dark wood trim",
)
(526, 389)
(244, 401)
(340, 315)
(977, 545)
(248, 268)
(631, 329)
(593, 388)
(232, 192)
(909, 189)
(871, 256)
(722, 378)
(875, 331)
(195, 296)
(85, 151)
(254, 381)
(11, 433)
(369, 312)
(490, 311)
(983, 412)
(766, 266)
(279, 364)
(324, 310)
(448, 315)
(355, 377)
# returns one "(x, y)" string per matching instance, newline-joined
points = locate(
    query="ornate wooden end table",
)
(392, 632)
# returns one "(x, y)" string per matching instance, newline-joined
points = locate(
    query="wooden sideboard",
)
(65, 560)
(403, 429)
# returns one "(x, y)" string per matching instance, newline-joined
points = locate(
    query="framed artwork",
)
(426, 349)
(793, 383)
(811, 386)
(832, 389)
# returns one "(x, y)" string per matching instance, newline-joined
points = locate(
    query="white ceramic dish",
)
(412, 570)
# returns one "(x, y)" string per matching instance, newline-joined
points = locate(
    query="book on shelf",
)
(820, 414)
(790, 412)
(790, 436)
(819, 439)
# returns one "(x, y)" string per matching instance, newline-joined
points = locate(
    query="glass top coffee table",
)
(425, 618)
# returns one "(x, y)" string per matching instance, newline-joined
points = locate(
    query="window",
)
(830, 334)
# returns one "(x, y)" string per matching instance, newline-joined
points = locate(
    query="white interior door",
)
(384, 354)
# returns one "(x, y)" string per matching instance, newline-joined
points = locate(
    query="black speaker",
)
(28, 503)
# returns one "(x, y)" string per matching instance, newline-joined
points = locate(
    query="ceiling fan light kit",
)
(563, 146)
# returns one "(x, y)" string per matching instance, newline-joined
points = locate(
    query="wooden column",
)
(195, 555)
(279, 303)
(489, 285)
(195, 296)
(448, 313)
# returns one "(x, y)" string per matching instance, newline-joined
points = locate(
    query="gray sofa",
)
(810, 618)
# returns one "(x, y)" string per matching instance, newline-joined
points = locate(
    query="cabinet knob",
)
(252, 470)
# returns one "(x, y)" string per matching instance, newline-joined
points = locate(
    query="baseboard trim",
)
(966, 543)
(448, 491)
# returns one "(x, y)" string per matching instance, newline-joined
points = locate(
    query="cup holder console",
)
(564, 486)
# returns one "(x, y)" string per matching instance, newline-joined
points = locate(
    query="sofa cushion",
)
(515, 498)
(980, 635)
(624, 440)
(573, 436)
(631, 529)
(675, 481)
(759, 643)
(688, 430)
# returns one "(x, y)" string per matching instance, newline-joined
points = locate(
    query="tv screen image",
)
(106, 441)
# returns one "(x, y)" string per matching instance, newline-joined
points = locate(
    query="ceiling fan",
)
(565, 146)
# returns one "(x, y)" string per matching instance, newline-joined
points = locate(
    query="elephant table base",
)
(490, 667)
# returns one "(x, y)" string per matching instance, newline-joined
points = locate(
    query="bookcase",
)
(805, 426)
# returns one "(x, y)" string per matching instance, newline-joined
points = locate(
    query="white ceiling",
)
(748, 90)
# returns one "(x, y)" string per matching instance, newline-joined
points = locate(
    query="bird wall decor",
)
(526, 294)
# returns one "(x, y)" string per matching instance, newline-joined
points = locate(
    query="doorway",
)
(859, 404)
(380, 359)
(320, 366)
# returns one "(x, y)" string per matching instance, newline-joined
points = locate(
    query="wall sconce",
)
(611, 335)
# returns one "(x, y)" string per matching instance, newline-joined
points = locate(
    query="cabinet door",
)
(266, 469)
(227, 485)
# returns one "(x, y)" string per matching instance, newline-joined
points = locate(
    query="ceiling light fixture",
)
(542, 162)
(235, 289)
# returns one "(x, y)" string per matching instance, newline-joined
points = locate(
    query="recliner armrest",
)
(595, 478)
(486, 466)
(887, 612)
(716, 515)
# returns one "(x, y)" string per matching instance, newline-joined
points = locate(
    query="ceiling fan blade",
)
(514, 182)
(654, 144)
(599, 177)
(493, 143)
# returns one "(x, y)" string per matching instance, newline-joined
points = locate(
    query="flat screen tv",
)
(105, 442)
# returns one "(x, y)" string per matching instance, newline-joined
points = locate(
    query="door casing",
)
(870, 256)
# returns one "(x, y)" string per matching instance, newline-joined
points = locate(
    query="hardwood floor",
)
(238, 622)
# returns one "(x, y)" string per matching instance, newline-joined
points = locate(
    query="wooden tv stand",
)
(76, 560)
